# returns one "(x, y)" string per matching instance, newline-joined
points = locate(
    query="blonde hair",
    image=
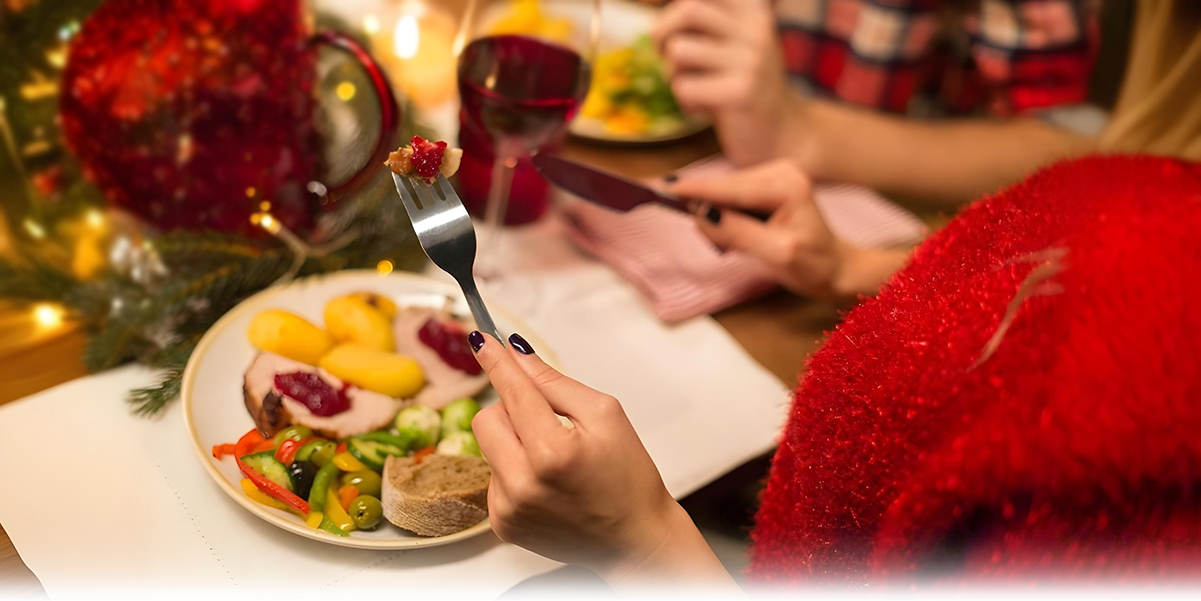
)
(1159, 108)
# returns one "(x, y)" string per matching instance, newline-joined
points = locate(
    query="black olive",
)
(302, 473)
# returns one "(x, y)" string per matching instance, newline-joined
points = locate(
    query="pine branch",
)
(177, 247)
(149, 401)
(35, 281)
(112, 345)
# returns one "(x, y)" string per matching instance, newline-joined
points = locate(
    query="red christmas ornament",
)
(929, 435)
(190, 113)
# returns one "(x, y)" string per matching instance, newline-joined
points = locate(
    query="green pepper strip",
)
(321, 483)
(309, 447)
(332, 528)
(386, 438)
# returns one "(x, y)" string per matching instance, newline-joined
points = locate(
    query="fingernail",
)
(713, 215)
(671, 178)
(476, 339)
(521, 344)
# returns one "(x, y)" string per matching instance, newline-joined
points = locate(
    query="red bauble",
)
(190, 113)
(1071, 451)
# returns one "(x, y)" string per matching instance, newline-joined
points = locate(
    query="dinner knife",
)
(602, 188)
(606, 189)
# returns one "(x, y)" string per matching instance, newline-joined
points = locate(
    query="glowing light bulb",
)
(406, 38)
(94, 218)
(48, 316)
(371, 24)
(35, 229)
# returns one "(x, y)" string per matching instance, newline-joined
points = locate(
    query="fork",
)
(446, 235)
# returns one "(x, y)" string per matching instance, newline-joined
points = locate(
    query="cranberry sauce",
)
(450, 342)
(315, 393)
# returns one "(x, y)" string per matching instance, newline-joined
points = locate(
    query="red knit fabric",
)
(1073, 451)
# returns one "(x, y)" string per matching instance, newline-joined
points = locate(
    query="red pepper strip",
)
(420, 455)
(346, 494)
(221, 450)
(341, 448)
(287, 451)
(266, 445)
(274, 490)
(246, 444)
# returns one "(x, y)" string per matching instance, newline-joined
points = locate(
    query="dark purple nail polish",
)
(520, 344)
(713, 215)
(671, 178)
(476, 339)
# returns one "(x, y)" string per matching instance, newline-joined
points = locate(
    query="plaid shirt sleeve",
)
(1022, 54)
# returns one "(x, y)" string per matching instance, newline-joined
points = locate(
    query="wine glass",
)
(523, 71)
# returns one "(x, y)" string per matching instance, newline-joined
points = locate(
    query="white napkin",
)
(96, 499)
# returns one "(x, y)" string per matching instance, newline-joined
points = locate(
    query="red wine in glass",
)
(521, 90)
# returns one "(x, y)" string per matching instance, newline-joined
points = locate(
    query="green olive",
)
(365, 511)
(323, 452)
(297, 433)
(367, 481)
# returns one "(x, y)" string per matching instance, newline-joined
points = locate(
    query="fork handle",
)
(483, 319)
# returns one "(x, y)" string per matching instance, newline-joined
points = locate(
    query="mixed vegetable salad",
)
(630, 93)
(336, 485)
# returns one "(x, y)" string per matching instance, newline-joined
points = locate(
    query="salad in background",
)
(630, 93)
(630, 98)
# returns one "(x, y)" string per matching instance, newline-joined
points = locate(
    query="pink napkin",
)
(680, 272)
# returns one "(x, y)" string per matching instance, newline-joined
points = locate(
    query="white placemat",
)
(97, 500)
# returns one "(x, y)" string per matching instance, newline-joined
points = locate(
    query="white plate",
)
(212, 386)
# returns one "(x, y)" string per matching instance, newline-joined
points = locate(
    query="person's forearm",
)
(680, 556)
(945, 164)
(864, 270)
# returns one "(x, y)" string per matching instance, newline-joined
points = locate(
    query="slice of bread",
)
(441, 495)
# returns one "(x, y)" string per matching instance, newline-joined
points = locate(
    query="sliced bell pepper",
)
(321, 482)
(254, 493)
(314, 519)
(346, 494)
(334, 511)
(328, 526)
(266, 445)
(341, 448)
(274, 490)
(309, 446)
(221, 450)
(286, 452)
(247, 442)
(347, 463)
(420, 454)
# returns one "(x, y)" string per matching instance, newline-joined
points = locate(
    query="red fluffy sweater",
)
(1072, 449)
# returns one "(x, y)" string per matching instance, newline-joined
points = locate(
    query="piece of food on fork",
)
(424, 160)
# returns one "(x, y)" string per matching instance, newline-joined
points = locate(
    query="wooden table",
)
(779, 331)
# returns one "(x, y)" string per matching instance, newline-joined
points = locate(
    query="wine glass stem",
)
(498, 204)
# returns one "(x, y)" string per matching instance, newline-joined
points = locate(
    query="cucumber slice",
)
(373, 453)
(266, 464)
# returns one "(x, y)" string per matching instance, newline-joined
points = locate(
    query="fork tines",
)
(419, 196)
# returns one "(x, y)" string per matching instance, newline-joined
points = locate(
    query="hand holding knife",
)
(611, 191)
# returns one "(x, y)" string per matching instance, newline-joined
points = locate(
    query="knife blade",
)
(602, 188)
(612, 191)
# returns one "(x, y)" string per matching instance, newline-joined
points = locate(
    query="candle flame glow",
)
(406, 38)
(48, 316)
